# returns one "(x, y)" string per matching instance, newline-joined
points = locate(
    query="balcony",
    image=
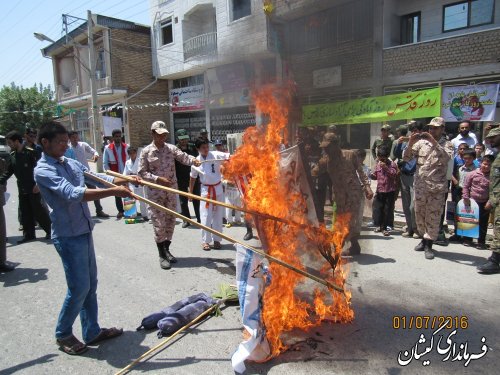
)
(200, 45)
(64, 92)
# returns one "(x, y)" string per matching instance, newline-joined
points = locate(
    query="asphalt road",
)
(388, 280)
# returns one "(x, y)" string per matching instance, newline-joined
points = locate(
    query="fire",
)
(286, 306)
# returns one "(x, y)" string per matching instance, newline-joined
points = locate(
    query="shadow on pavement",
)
(34, 362)
(366, 259)
(23, 275)
(227, 267)
(465, 259)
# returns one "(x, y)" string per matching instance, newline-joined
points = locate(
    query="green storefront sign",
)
(408, 105)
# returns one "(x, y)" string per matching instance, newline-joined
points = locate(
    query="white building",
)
(212, 52)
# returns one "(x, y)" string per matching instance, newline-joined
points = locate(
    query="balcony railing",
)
(205, 44)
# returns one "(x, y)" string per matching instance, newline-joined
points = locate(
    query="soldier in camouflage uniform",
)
(493, 263)
(157, 164)
(344, 168)
(433, 152)
(384, 140)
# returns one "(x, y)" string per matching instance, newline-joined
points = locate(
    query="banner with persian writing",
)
(474, 103)
(408, 105)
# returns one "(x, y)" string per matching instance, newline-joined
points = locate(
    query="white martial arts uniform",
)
(131, 170)
(211, 187)
(232, 196)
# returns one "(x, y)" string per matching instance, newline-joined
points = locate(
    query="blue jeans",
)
(78, 259)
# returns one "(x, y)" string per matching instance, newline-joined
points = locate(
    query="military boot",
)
(492, 265)
(429, 253)
(164, 262)
(168, 255)
(421, 245)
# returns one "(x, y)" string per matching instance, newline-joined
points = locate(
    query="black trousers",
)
(484, 215)
(32, 211)
(383, 209)
(97, 203)
(324, 186)
(185, 201)
(119, 204)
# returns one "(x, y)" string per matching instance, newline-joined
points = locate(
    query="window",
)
(100, 70)
(240, 9)
(410, 28)
(467, 14)
(167, 32)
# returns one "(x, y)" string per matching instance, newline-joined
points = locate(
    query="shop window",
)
(410, 28)
(467, 14)
(167, 32)
(240, 9)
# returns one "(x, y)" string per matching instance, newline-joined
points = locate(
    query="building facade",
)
(129, 95)
(213, 52)
(343, 50)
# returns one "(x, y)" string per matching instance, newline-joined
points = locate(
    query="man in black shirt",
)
(182, 172)
(23, 160)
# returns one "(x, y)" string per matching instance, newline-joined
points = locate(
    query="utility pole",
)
(96, 129)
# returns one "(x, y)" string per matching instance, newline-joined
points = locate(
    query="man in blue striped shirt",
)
(62, 185)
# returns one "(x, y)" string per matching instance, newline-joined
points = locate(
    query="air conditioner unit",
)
(234, 141)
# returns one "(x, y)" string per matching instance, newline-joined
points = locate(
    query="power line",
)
(5, 16)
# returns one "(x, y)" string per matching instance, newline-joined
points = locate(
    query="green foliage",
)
(22, 107)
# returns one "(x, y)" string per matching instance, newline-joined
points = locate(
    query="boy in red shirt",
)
(477, 186)
(385, 173)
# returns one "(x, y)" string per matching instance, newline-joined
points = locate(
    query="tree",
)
(25, 107)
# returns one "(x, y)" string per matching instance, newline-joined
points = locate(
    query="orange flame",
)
(286, 307)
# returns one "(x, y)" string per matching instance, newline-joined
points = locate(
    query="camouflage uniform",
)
(494, 201)
(154, 163)
(347, 189)
(430, 184)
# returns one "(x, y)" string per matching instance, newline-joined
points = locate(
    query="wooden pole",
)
(212, 160)
(225, 237)
(194, 196)
(167, 340)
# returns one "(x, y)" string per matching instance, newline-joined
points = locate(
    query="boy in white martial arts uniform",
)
(130, 169)
(211, 187)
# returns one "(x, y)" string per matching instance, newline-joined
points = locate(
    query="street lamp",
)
(43, 38)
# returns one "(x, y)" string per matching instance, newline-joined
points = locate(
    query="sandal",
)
(71, 345)
(106, 334)
(386, 233)
(206, 247)
(217, 245)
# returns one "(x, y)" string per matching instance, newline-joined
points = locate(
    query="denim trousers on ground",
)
(78, 259)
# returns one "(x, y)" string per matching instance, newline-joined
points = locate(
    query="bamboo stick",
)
(212, 160)
(167, 340)
(194, 196)
(225, 237)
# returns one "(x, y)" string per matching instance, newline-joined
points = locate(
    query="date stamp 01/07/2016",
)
(440, 342)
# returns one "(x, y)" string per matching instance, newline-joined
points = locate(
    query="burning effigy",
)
(274, 299)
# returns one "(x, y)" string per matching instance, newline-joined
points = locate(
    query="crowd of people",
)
(420, 162)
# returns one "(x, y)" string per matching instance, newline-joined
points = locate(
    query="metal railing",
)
(204, 44)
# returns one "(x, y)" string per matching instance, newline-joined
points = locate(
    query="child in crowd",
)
(479, 149)
(458, 161)
(458, 180)
(476, 186)
(130, 169)
(385, 173)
